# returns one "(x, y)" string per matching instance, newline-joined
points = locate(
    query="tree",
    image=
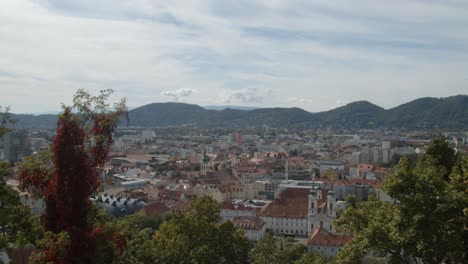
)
(35, 173)
(313, 258)
(265, 250)
(351, 200)
(374, 229)
(194, 236)
(17, 226)
(329, 174)
(428, 221)
(271, 250)
(16, 223)
(54, 248)
(5, 121)
(442, 155)
(84, 135)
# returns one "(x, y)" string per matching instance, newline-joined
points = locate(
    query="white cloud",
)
(178, 94)
(296, 100)
(341, 102)
(251, 96)
(244, 96)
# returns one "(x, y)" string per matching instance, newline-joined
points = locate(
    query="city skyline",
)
(314, 55)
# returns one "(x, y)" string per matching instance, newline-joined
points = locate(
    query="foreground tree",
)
(17, 226)
(272, 250)
(427, 224)
(192, 236)
(84, 135)
(15, 219)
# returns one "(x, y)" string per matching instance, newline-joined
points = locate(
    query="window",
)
(311, 226)
(331, 206)
(312, 205)
(330, 227)
(321, 224)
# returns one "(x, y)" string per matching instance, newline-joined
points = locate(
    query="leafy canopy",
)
(426, 223)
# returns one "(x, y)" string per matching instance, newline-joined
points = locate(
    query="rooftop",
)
(248, 222)
(291, 203)
(321, 237)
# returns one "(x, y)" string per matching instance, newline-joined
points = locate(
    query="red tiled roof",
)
(220, 157)
(291, 203)
(157, 208)
(216, 182)
(194, 159)
(248, 222)
(365, 167)
(321, 237)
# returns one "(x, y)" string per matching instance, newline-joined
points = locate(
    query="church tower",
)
(331, 204)
(204, 165)
(313, 201)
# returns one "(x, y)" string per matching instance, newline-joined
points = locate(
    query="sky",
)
(316, 55)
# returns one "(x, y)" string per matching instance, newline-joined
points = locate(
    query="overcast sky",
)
(316, 55)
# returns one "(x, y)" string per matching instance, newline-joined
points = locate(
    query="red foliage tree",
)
(80, 148)
(73, 180)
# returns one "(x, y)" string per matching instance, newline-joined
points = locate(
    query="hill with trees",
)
(424, 113)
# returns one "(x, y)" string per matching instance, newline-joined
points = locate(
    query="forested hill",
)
(423, 113)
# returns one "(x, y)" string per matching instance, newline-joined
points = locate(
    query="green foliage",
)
(313, 258)
(35, 172)
(54, 247)
(17, 226)
(412, 159)
(88, 105)
(273, 250)
(372, 223)
(442, 155)
(351, 200)
(192, 236)
(5, 120)
(131, 225)
(427, 223)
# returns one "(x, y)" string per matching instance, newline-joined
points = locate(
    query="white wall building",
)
(254, 227)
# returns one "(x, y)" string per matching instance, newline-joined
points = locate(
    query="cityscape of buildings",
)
(289, 183)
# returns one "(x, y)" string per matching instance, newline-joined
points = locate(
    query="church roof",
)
(291, 203)
(321, 237)
(248, 222)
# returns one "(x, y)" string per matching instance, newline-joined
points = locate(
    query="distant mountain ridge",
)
(424, 113)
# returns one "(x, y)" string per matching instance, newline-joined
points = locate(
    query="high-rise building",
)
(17, 145)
